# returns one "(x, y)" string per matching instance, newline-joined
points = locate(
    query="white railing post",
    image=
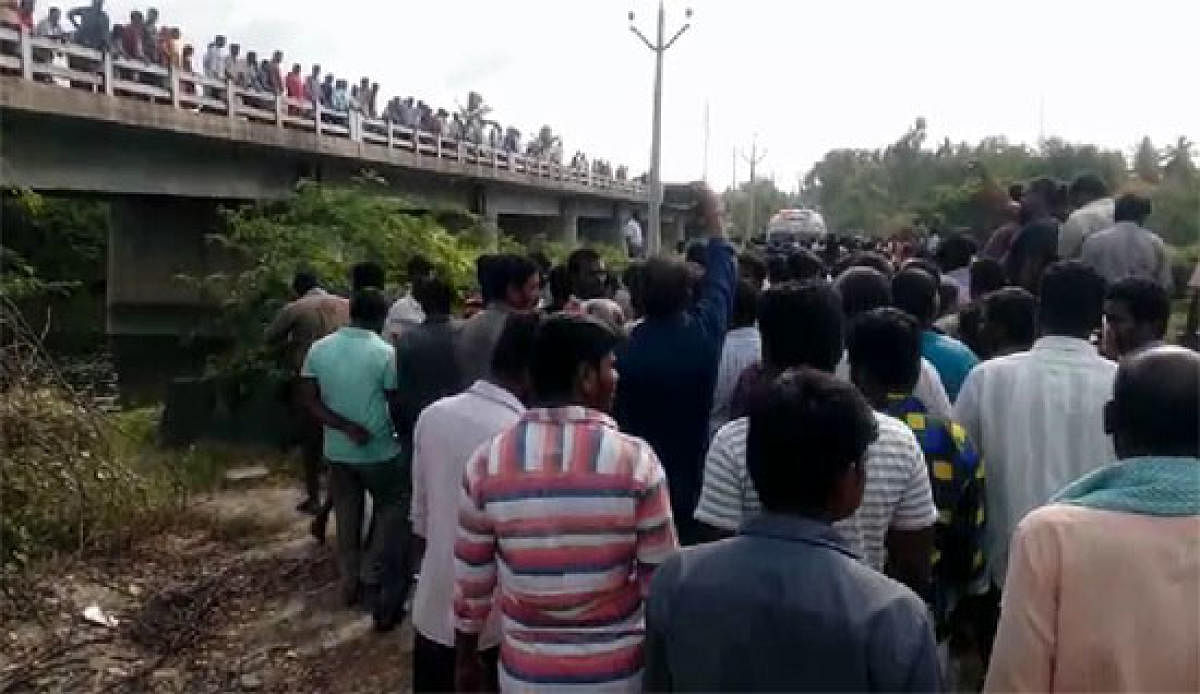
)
(173, 84)
(26, 54)
(354, 122)
(230, 99)
(279, 108)
(317, 115)
(462, 149)
(391, 133)
(107, 66)
(438, 138)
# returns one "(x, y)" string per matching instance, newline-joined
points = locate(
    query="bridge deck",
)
(65, 80)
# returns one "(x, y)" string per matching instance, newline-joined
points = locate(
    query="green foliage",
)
(326, 230)
(907, 184)
(69, 480)
(767, 201)
(51, 246)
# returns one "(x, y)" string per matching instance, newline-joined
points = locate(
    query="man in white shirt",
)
(1094, 212)
(1037, 416)
(1126, 249)
(742, 349)
(633, 236)
(214, 59)
(447, 435)
(893, 528)
(51, 26)
(407, 310)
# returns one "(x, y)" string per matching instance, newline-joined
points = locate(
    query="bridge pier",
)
(569, 223)
(154, 320)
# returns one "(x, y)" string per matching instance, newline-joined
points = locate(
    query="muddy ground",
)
(238, 597)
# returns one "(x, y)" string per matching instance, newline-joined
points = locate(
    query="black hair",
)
(418, 266)
(915, 292)
(1132, 207)
(801, 325)
(368, 307)
(1089, 186)
(367, 275)
(752, 265)
(806, 432)
(987, 275)
(1148, 302)
(304, 281)
(862, 289)
(924, 264)
(490, 276)
(435, 296)
(560, 285)
(667, 287)
(1072, 299)
(541, 260)
(887, 343)
(579, 258)
(1015, 309)
(804, 265)
(1156, 404)
(947, 295)
(697, 252)
(875, 260)
(564, 343)
(955, 252)
(515, 270)
(634, 279)
(778, 271)
(745, 305)
(514, 349)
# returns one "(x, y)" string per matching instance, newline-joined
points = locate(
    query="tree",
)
(1179, 165)
(1145, 162)
(767, 201)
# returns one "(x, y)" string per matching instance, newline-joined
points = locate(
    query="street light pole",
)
(655, 194)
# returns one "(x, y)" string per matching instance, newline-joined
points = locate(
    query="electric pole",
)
(655, 194)
(753, 160)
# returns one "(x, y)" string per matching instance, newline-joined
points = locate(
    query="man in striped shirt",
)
(568, 517)
(801, 325)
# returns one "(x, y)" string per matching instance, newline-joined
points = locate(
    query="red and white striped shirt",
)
(570, 517)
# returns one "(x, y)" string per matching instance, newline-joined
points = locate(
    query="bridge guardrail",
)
(42, 59)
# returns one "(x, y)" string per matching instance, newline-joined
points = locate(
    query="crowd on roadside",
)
(879, 468)
(144, 38)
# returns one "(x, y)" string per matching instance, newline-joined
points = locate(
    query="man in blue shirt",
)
(349, 379)
(785, 605)
(915, 291)
(669, 366)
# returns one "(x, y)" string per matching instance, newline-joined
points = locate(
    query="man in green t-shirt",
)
(349, 381)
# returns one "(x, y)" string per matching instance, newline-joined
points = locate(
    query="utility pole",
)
(753, 160)
(655, 194)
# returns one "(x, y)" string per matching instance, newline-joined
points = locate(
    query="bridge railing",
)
(53, 61)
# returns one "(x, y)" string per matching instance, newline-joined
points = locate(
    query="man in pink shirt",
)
(1103, 586)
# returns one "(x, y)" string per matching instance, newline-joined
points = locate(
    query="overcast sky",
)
(806, 76)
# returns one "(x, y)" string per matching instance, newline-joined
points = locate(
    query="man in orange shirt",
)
(1103, 584)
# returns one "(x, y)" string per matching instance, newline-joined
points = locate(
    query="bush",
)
(67, 482)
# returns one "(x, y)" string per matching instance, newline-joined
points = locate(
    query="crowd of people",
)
(874, 470)
(143, 38)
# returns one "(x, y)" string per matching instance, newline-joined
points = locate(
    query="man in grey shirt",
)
(509, 283)
(785, 605)
(1127, 249)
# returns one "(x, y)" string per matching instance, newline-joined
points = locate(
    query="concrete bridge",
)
(168, 147)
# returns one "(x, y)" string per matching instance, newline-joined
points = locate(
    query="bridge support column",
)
(155, 320)
(569, 221)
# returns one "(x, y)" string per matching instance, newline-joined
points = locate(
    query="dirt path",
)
(239, 598)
